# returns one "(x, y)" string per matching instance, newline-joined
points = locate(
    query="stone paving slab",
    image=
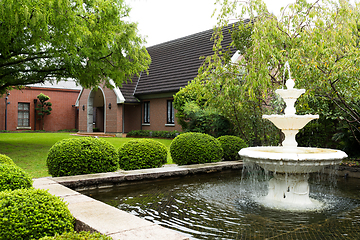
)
(93, 215)
(56, 189)
(106, 219)
(154, 232)
(100, 180)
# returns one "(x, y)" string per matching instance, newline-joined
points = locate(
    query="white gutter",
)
(119, 96)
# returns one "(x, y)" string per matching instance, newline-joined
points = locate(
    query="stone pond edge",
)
(92, 215)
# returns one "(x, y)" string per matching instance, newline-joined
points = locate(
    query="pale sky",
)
(165, 20)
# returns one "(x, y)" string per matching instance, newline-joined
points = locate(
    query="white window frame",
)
(147, 112)
(170, 112)
(21, 109)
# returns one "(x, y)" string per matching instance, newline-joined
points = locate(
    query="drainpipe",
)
(76, 114)
(123, 118)
(35, 102)
(141, 114)
(6, 103)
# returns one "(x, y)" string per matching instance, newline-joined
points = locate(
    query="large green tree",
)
(320, 40)
(89, 41)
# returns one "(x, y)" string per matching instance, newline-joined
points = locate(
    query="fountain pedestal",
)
(290, 189)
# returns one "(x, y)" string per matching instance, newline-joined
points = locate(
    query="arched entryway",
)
(96, 111)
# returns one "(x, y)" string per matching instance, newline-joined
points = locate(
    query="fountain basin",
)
(290, 121)
(292, 160)
(291, 93)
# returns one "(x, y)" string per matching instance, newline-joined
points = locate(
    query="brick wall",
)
(158, 113)
(132, 117)
(63, 115)
(113, 114)
(132, 112)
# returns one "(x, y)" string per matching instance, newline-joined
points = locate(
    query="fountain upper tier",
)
(290, 123)
(293, 122)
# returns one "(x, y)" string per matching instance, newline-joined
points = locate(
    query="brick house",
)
(19, 112)
(147, 102)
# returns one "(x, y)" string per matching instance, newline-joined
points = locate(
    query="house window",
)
(23, 114)
(146, 112)
(170, 112)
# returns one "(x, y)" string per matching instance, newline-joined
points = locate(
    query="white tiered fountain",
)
(289, 188)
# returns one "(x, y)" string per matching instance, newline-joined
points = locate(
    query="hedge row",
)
(32, 214)
(142, 153)
(25, 212)
(11, 176)
(5, 159)
(191, 148)
(28, 213)
(231, 146)
(75, 156)
(78, 236)
(154, 134)
(93, 155)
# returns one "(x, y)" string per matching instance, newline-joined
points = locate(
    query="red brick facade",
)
(158, 116)
(121, 117)
(63, 114)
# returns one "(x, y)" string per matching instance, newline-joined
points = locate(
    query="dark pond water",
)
(220, 206)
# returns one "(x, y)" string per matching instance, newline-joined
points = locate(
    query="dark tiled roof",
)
(127, 89)
(174, 64)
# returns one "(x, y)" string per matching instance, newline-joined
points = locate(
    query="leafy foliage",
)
(32, 214)
(193, 92)
(150, 133)
(347, 141)
(205, 120)
(43, 107)
(318, 133)
(142, 153)
(231, 146)
(195, 116)
(6, 160)
(236, 113)
(194, 148)
(89, 41)
(78, 236)
(320, 40)
(75, 156)
(13, 177)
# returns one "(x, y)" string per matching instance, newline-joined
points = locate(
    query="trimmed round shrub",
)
(6, 160)
(13, 177)
(194, 148)
(231, 146)
(75, 156)
(32, 214)
(78, 236)
(142, 153)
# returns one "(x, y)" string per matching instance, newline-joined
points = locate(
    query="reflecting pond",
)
(221, 206)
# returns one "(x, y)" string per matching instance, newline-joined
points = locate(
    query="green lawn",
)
(29, 150)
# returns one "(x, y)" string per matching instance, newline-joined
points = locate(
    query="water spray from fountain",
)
(290, 164)
(286, 67)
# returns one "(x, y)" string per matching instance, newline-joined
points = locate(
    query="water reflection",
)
(219, 206)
